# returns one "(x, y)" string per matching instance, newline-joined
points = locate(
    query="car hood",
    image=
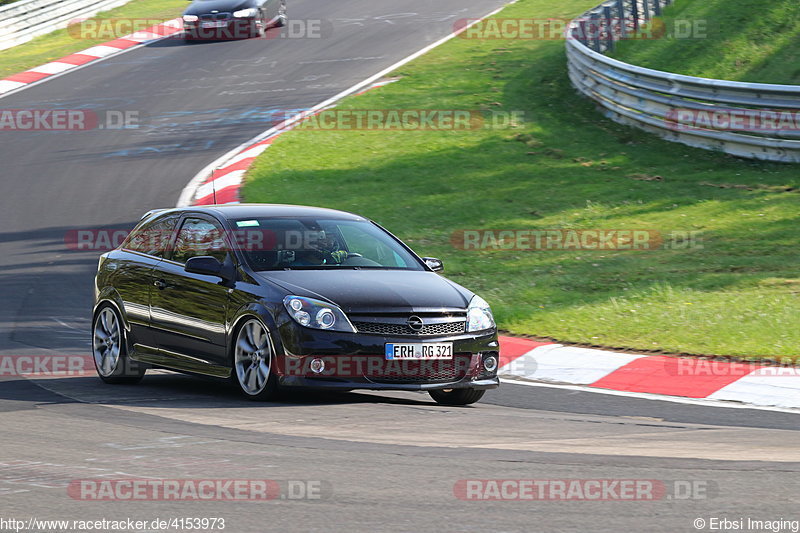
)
(365, 291)
(204, 7)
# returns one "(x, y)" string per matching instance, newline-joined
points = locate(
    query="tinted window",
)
(197, 237)
(310, 243)
(152, 238)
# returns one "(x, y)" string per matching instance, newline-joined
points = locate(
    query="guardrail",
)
(750, 120)
(26, 19)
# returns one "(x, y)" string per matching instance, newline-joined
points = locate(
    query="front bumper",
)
(357, 361)
(233, 29)
(347, 385)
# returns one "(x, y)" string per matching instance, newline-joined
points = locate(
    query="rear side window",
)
(152, 238)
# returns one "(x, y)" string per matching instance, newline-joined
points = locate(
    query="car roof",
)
(240, 211)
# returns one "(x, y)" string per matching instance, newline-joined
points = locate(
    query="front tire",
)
(456, 396)
(110, 351)
(283, 18)
(253, 359)
(261, 27)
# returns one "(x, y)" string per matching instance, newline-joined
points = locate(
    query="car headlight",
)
(245, 13)
(190, 18)
(479, 315)
(317, 314)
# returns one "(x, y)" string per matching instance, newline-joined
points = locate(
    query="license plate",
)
(214, 24)
(431, 350)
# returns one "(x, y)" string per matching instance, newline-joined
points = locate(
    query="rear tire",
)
(110, 349)
(456, 396)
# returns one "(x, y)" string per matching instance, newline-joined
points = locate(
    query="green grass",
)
(740, 40)
(60, 43)
(565, 167)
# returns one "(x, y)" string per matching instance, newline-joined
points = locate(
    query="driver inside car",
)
(324, 250)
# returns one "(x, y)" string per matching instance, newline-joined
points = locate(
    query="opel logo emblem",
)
(415, 323)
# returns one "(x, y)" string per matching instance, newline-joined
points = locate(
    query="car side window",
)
(198, 237)
(368, 246)
(154, 237)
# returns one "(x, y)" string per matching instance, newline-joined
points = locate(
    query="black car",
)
(232, 19)
(273, 296)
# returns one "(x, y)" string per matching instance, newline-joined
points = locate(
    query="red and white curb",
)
(221, 184)
(20, 80)
(683, 377)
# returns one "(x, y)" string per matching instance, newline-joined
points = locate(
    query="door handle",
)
(161, 284)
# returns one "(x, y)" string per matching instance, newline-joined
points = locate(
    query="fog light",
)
(303, 318)
(318, 366)
(490, 363)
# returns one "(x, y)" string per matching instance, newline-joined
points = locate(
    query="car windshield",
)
(316, 244)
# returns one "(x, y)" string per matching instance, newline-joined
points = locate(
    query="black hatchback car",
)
(272, 296)
(232, 19)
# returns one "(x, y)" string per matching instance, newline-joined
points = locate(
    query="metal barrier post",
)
(595, 18)
(608, 26)
(623, 30)
(584, 38)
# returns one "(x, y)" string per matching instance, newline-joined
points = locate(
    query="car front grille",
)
(216, 16)
(400, 329)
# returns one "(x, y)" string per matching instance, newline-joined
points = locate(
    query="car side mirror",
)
(205, 265)
(434, 264)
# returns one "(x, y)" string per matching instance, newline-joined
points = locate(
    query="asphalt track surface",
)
(385, 462)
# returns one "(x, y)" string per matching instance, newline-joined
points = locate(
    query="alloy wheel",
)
(106, 342)
(253, 357)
